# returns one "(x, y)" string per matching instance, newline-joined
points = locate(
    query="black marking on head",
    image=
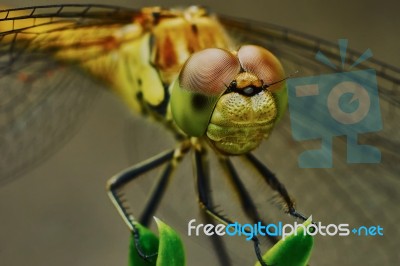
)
(250, 91)
(246, 91)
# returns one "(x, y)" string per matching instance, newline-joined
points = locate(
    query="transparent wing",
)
(357, 194)
(41, 99)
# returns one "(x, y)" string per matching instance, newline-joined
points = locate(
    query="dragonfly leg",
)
(275, 184)
(217, 242)
(205, 202)
(117, 182)
(202, 172)
(157, 194)
(245, 198)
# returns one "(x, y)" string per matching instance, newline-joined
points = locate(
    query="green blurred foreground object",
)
(168, 245)
(295, 250)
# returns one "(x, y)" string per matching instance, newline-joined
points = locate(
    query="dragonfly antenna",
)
(285, 78)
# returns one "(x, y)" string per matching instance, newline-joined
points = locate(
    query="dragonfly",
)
(43, 53)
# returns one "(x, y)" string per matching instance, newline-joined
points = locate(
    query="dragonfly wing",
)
(41, 98)
(357, 194)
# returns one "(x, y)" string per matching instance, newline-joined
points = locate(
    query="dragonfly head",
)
(226, 97)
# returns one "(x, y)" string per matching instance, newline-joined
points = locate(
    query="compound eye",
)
(209, 71)
(263, 64)
(202, 80)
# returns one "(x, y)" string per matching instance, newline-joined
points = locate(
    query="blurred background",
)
(59, 214)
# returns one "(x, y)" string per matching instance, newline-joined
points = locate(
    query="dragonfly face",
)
(228, 97)
(242, 118)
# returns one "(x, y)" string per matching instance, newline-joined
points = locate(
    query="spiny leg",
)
(121, 179)
(246, 201)
(157, 194)
(245, 198)
(205, 200)
(274, 183)
(202, 171)
(117, 182)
